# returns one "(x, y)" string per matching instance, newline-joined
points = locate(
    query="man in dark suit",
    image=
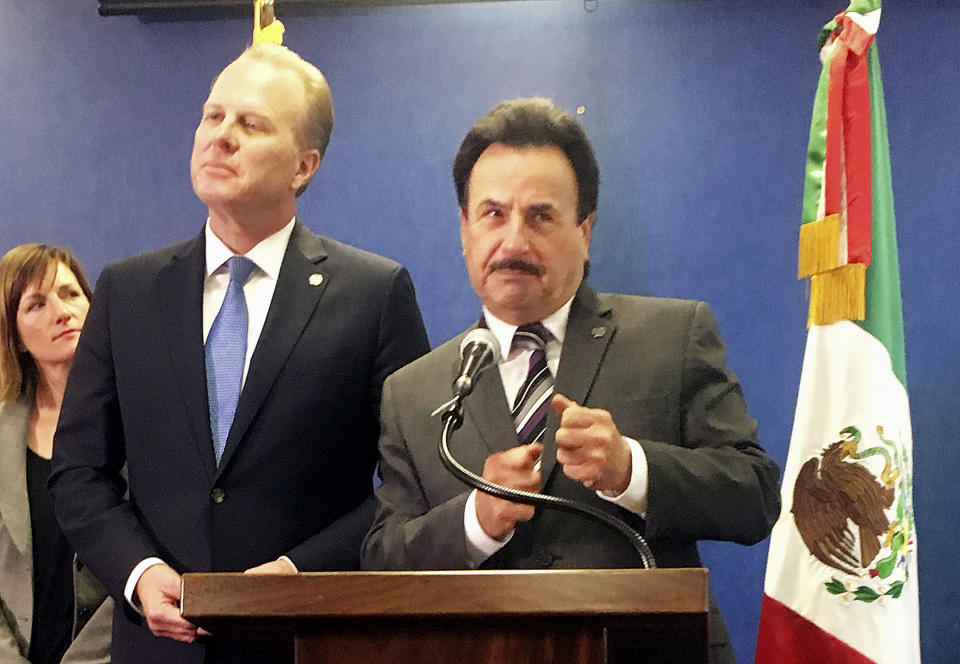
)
(645, 420)
(285, 483)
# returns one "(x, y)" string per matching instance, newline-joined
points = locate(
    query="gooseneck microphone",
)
(478, 350)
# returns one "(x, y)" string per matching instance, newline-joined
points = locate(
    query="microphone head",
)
(481, 337)
(478, 349)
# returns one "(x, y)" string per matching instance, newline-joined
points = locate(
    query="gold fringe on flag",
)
(838, 295)
(819, 246)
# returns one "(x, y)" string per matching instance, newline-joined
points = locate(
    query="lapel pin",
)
(315, 279)
(598, 332)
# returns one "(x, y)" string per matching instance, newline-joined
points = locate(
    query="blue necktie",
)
(226, 351)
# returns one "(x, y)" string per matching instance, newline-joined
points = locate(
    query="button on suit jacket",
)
(658, 366)
(295, 476)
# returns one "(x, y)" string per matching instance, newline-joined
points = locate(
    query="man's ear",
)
(309, 162)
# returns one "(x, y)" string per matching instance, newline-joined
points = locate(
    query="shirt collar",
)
(266, 254)
(556, 323)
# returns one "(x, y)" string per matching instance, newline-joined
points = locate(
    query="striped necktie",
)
(533, 400)
(226, 353)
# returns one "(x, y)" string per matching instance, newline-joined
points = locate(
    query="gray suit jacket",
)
(658, 366)
(92, 615)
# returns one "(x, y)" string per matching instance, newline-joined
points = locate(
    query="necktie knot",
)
(533, 335)
(240, 268)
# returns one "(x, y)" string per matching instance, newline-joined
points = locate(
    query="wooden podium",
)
(478, 617)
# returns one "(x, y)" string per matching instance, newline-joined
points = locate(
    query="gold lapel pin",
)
(598, 332)
(315, 279)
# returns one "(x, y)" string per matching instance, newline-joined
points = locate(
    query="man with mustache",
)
(237, 375)
(618, 401)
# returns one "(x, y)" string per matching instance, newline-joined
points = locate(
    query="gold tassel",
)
(819, 246)
(838, 295)
(271, 31)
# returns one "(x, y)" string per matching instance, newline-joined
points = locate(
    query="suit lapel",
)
(590, 328)
(487, 410)
(294, 300)
(14, 506)
(180, 293)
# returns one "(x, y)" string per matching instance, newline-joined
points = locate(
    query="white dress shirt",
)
(267, 255)
(513, 371)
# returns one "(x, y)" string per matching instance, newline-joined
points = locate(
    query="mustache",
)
(515, 264)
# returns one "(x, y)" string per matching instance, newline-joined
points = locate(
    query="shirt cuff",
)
(292, 564)
(480, 546)
(131, 587)
(634, 497)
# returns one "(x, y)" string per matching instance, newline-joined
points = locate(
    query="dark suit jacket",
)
(658, 366)
(299, 458)
(92, 608)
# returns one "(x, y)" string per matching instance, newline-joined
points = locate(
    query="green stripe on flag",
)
(883, 303)
(863, 6)
(816, 149)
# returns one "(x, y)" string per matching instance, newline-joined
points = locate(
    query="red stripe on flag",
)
(848, 178)
(786, 637)
(856, 142)
(853, 34)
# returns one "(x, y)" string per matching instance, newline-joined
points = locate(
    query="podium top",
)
(489, 593)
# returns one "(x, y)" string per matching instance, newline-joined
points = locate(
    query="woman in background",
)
(52, 611)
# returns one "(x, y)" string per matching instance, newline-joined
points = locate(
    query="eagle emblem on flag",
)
(854, 516)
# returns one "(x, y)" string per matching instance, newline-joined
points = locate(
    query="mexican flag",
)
(841, 581)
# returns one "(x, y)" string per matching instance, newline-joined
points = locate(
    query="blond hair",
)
(318, 123)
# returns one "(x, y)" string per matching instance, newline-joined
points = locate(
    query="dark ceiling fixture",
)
(177, 10)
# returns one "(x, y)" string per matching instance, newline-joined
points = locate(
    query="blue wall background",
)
(699, 112)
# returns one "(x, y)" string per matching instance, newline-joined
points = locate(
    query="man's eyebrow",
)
(252, 112)
(489, 202)
(541, 207)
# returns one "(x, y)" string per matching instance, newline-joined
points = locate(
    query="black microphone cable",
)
(452, 413)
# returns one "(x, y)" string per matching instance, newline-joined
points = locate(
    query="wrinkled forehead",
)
(529, 173)
(250, 72)
(252, 83)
